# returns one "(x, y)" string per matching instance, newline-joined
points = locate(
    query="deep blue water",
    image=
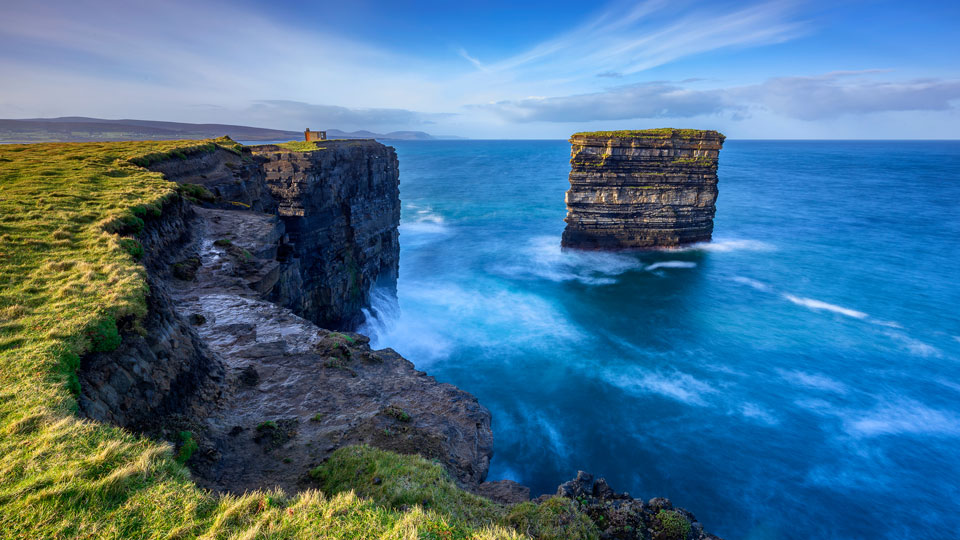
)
(798, 377)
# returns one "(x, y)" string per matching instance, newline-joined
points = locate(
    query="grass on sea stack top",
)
(658, 133)
(70, 215)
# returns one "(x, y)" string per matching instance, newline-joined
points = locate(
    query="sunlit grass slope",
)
(69, 219)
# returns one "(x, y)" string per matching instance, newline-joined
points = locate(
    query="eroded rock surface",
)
(297, 392)
(641, 189)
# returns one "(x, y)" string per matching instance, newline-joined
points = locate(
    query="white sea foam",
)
(752, 283)
(899, 417)
(913, 345)
(759, 414)
(675, 385)
(888, 324)
(670, 264)
(891, 416)
(543, 258)
(816, 381)
(423, 223)
(732, 245)
(439, 315)
(820, 305)
(416, 338)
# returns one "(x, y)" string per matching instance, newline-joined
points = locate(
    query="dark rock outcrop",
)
(621, 517)
(641, 189)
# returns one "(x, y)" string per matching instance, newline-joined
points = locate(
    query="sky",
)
(860, 69)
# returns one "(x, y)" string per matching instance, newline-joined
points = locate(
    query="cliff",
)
(156, 306)
(279, 247)
(641, 189)
(339, 208)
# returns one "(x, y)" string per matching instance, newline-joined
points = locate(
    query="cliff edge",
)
(641, 189)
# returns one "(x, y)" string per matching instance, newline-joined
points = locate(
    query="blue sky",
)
(492, 69)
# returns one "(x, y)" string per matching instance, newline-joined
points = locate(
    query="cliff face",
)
(231, 351)
(341, 210)
(641, 189)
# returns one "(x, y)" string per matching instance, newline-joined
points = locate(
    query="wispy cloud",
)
(629, 37)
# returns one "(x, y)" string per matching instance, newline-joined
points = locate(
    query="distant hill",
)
(82, 129)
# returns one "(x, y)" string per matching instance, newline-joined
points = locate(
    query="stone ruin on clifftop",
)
(641, 189)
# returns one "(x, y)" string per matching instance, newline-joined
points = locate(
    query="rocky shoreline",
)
(257, 273)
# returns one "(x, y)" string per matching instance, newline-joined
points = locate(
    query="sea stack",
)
(641, 188)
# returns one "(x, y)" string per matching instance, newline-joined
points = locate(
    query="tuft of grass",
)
(133, 247)
(673, 525)
(555, 519)
(397, 413)
(196, 192)
(187, 447)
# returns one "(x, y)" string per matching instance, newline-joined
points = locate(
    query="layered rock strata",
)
(641, 189)
(339, 206)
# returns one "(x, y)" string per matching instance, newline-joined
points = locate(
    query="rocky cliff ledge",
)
(641, 189)
(265, 254)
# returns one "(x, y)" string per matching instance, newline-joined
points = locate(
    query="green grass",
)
(673, 525)
(70, 284)
(300, 146)
(658, 133)
(699, 161)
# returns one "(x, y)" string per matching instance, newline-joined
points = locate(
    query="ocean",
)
(797, 377)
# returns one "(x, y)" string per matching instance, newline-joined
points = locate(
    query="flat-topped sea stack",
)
(641, 189)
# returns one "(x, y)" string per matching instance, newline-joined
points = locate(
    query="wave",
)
(442, 316)
(759, 414)
(413, 337)
(913, 345)
(722, 246)
(824, 306)
(813, 380)
(676, 385)
(760, 286)
(671, 264)
(890, 417)
(423, 221)
(542, 257)
(903, 416)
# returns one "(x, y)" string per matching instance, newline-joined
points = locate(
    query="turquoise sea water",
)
(798, 377)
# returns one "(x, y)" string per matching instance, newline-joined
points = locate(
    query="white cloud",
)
(805, 98)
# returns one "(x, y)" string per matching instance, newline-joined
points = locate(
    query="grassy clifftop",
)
(655, 133)
(69, 219)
